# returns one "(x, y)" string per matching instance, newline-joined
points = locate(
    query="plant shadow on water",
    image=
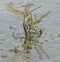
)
(32, 33)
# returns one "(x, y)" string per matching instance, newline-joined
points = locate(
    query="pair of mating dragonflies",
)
(30, 26)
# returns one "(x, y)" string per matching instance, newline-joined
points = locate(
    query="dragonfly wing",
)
(35, 17)
(14, 10)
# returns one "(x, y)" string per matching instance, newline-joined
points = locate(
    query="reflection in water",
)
(19, 57)
(30, 44)
(14, 57)
(27, 58)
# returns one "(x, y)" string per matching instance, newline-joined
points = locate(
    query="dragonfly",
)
(30, 26)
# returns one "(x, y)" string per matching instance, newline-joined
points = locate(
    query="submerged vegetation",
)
(32, 31)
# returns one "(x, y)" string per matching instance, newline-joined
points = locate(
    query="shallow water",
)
(50, 26)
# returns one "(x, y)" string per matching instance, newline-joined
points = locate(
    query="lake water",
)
(50, 26)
